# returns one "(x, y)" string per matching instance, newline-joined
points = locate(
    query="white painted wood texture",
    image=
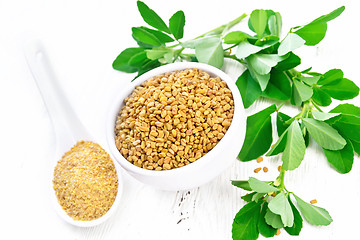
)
(83, 38)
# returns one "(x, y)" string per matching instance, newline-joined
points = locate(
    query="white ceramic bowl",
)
(204, 169)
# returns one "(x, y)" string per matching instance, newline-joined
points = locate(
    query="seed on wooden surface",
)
(259, 159)
(265, 169)
(185, 112)
(313, 201)
(85, 181)
(256, 170)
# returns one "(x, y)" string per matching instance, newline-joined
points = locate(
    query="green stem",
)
(225, 27)
(178, 52)
(307, 106)
(280, 178)
(236, 59)
(315, 105)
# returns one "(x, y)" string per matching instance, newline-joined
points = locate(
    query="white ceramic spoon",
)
(67, 126)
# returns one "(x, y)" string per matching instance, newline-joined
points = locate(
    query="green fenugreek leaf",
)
(265, 229)
(245, 222)
(151, 18)
(249, 88)
(313, 214)
(176, 24)
(326, 136)
(298, 221)
(258, 137)
(342, 160)
(260, 186)
(280, 205)
(295, 147)
(241, 184)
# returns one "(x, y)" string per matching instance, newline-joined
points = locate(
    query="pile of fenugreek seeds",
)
(172, 120)
(85, 181)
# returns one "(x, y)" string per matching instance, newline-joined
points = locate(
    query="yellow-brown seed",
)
(259, 159)
(313, 201)
(279, 168)
(265, 169)
(278, 232)
(185, 112)
(85, 181)
(256, 170)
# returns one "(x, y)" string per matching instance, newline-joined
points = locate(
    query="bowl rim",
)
(118, 101)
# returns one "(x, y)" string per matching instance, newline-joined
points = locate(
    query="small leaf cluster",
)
(270, 62)
(162, 44)
(151, 51)
(336, 132)
(269, 208)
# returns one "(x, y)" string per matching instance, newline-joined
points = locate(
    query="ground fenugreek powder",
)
(173, 119)
(85, 181)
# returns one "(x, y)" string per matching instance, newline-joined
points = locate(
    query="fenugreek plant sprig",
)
(270, 73)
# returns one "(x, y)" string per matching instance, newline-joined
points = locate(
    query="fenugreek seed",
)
(174, 147)
(259, 159)
(278, 232)
(226, 123)
(265, 169)
(182, 114)
(153, 133)
(313, 201)
(176, 121)
(166, 166)
(161, 134)
(279, 168)
(158, 168)
(220, 135)
(256, 170)
(159, 124)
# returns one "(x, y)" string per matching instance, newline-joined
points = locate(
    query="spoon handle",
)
(67, 126)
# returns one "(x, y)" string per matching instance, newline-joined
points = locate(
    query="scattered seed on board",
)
(259, 159)
(256, 170)
(313, 201)
(85, 181)
(265, 169)
(173, 119)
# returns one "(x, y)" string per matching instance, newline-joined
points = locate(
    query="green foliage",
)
(176, 24)
(210, 51)
(245, 222)
(249, 88)
(270, 73)
(298, 221)
(151, 18)
(313, 214)
(265, 229)
(258, 136)
(281, 206)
